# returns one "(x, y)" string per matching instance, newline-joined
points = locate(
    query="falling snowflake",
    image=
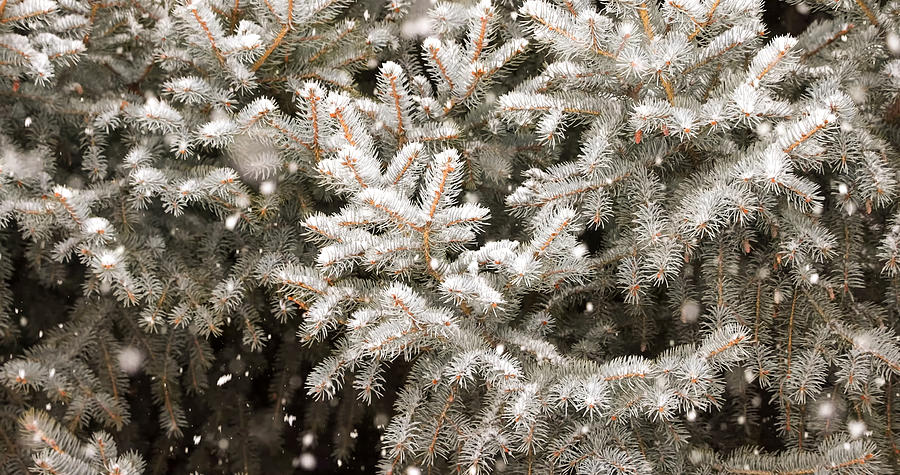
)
(856, 428)
(131, 360)
(690, 311)
(231, 221)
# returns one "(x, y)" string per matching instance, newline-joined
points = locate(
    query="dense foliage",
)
(550, 236)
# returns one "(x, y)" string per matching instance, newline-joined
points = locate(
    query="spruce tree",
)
(405, 237)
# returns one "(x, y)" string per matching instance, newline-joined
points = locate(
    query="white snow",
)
(415, 27)
(267, 187)
(893, 43)
(579, 251)
(130, 360)
(826, 410)
(690, 311)
(856, 428)
(231, 221)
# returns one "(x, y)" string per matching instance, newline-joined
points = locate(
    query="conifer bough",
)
(550, 236)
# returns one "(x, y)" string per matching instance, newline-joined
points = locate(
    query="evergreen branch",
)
(209, 36)
(868, 12)
(707, 22)
(645, 19)
(831, 39)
